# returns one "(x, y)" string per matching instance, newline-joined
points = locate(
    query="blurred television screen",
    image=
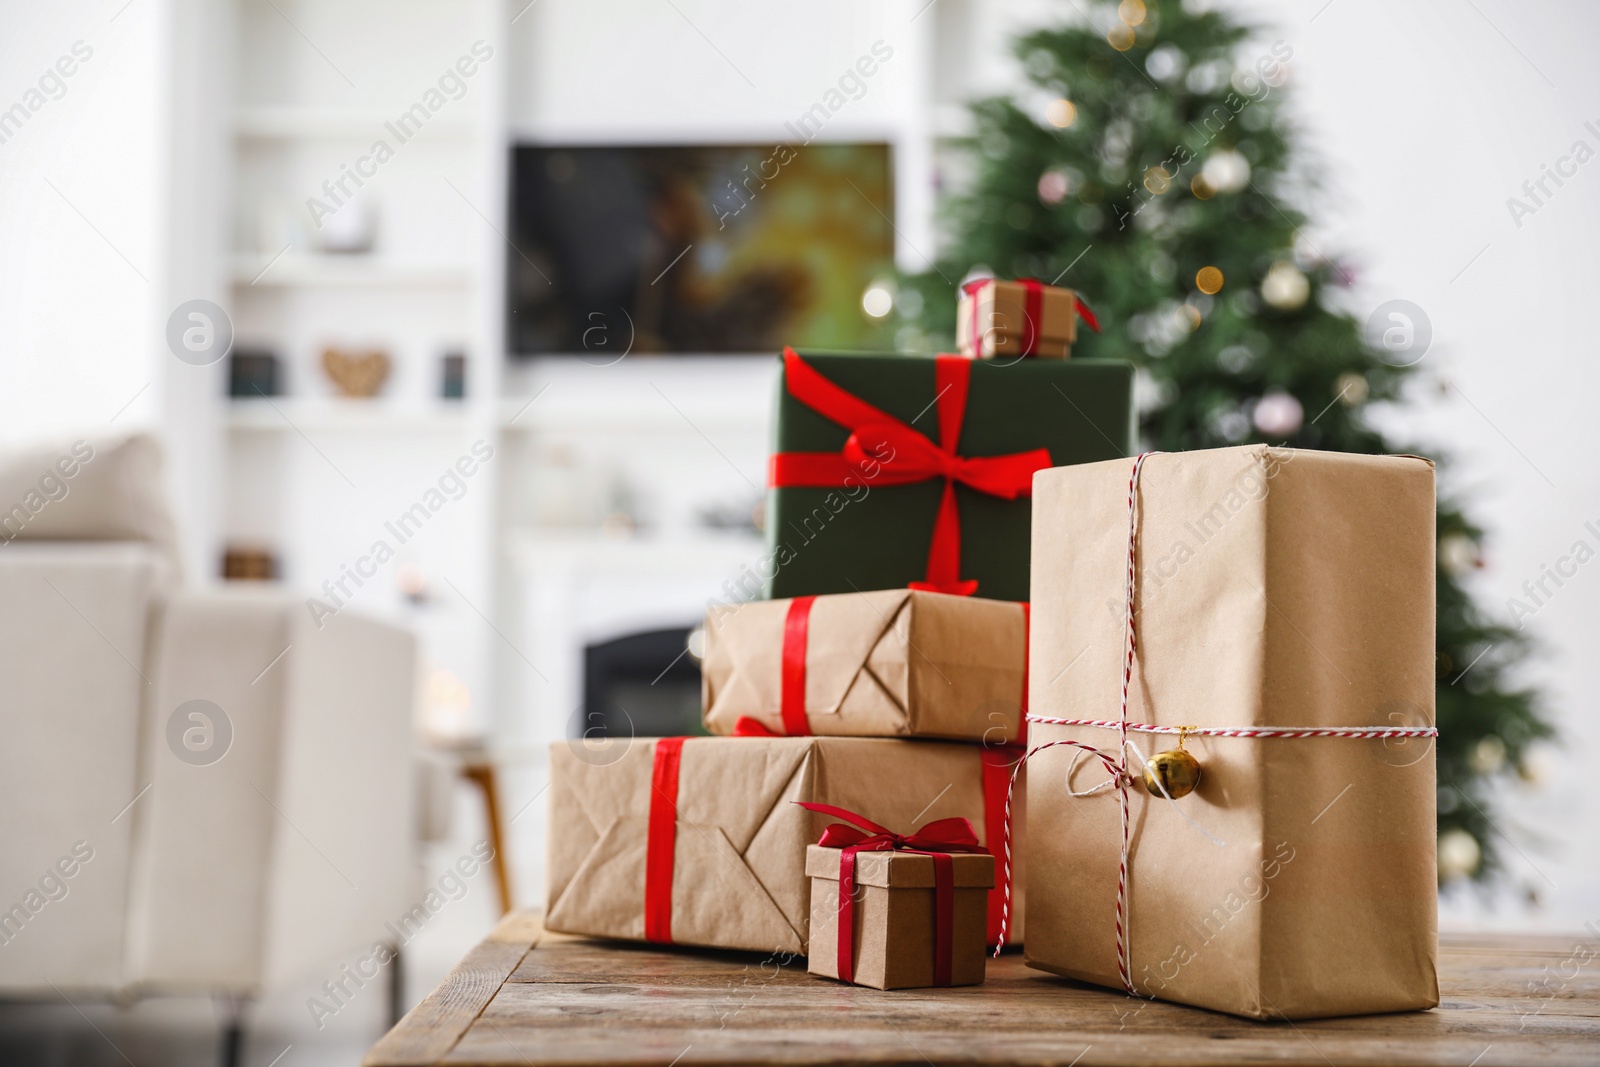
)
(698, 249)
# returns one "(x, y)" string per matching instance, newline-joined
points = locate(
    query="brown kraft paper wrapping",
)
(739, 857)
(895, 663)
(1275, 588)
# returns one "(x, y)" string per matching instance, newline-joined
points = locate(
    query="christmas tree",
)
(1148, 167)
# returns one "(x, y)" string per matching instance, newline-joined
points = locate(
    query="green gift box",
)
(890, 470)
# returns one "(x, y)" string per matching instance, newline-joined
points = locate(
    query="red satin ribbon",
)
(745, 726)
(936, 839)
(884, 450)
(1086, 314)
(662, 842)
(1032, 314)
(997, 765)
(974, 329)
(792, 706)
(792, 698)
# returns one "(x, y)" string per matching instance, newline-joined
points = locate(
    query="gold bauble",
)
(1176, 771)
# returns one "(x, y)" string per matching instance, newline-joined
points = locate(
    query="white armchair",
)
(205, 792)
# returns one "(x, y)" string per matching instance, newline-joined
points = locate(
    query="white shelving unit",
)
(296, 122)
(323, 271)
(309, 87)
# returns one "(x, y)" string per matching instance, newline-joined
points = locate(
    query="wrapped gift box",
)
(699, 842)
(896, 923)
(892, 663)
(1002, 318)
(1275, 588)
(859, 496)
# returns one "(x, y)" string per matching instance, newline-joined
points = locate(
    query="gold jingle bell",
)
(1175, 771)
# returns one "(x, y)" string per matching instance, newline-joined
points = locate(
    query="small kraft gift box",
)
(889, 663)
(698, 841)
(898, 912)
(894, 470)
(997, 318)
(1231, 794)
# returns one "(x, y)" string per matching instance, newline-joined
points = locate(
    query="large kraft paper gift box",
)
(698, 841)
(890, 663)
(889, 470)
(1275, 588)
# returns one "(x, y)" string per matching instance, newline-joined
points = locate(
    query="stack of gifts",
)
(1216, 666)
(871, 710)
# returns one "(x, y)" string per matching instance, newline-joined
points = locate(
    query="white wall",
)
(82, 224)
(1428, 117)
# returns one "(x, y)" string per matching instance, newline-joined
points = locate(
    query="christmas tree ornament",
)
(1157, 180)
(1053, 187)
(1284, 287)
(1226, 171)
(1201, 188)
(1208, 280)
(1165, 63)
(1131, 12)
(1488, 755)
(1459, 554)
(1120, 37)
(1537, 765)
(1351, 389)
(1174, 773)
(1278, 415)
(1060, 113)
(1459, 855)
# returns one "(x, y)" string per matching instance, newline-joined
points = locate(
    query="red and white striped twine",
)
(1117, 766)
(1247, 731)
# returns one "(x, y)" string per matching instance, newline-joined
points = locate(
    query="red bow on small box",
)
(882, 450)
(937, 839)
(1032, 313)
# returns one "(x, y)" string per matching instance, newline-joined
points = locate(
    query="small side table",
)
(478, 768)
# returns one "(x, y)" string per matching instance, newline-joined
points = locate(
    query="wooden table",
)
(527, 997)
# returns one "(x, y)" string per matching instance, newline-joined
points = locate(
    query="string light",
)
(1061, 113)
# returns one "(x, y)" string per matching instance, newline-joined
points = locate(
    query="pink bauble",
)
(1278, 415)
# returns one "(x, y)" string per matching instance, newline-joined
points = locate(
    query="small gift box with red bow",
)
(1019, 318)
(898, 912)
(894, 470)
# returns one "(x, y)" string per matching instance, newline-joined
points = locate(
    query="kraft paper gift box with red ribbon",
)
(890, 663)
(1025, 317)
(891, 471)
(698, 841)
(898, 912)
(1281, 633)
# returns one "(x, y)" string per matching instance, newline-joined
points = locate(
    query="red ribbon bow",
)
(881, 449)
(1032, 313)
(937, 839)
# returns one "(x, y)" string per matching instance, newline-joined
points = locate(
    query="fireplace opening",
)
(644, 684)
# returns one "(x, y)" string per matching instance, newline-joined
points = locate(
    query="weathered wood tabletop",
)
(525, 996)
